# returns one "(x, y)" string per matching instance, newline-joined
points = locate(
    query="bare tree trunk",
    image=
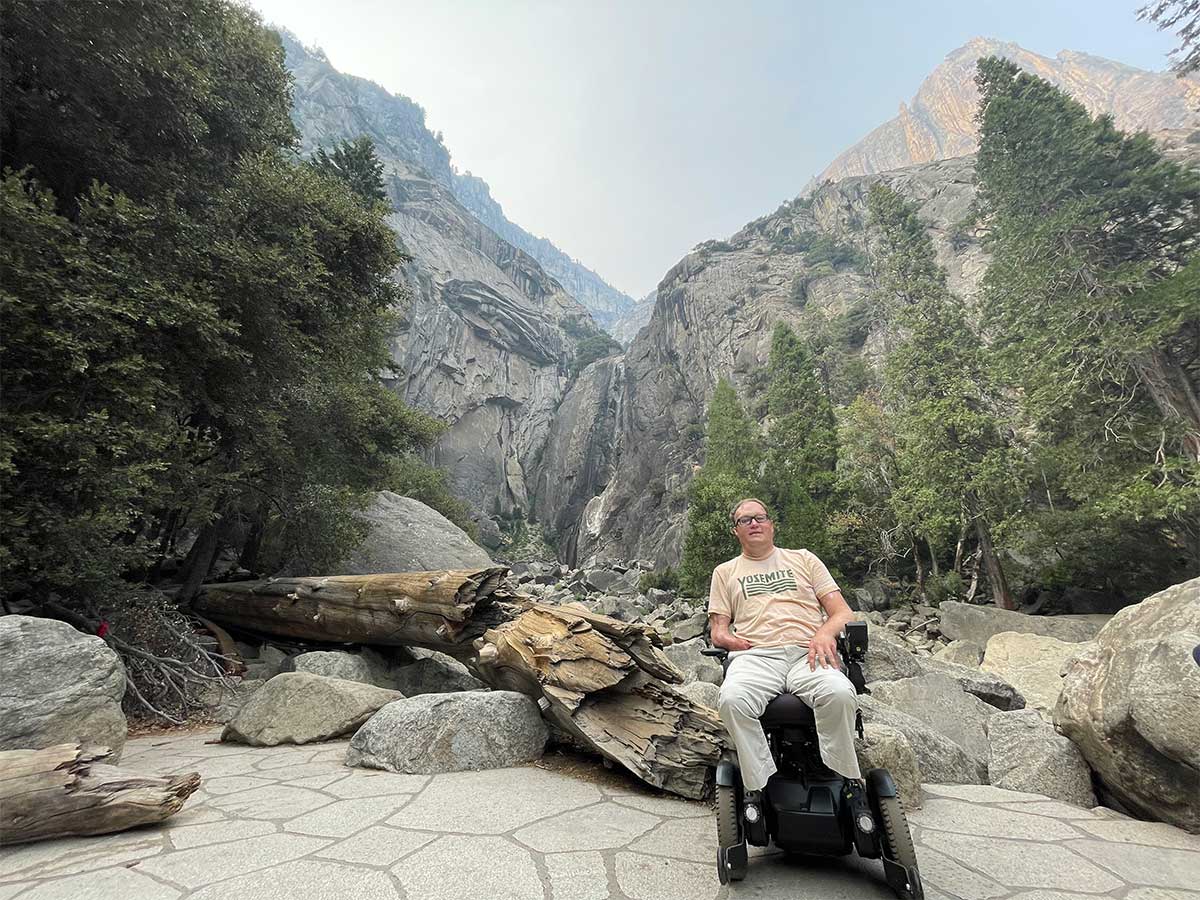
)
(995, 571)
(65, 790)
(199, 560)
(1173, 393)
(917, 562)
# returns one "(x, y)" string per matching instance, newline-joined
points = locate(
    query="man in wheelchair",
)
(790, 702)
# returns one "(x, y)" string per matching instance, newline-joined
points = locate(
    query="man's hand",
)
(722, 637)
(822, 651)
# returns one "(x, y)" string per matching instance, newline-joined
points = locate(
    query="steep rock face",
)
(633, 319)
(606, 304)
(940, 121)
(715, 312)
(483, 347)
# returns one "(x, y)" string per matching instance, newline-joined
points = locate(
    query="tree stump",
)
(65, 790)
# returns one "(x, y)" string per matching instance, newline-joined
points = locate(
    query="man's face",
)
(755, 537)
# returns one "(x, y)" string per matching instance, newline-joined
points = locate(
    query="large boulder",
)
(1130, 704)
(885, 747)
(962, 653)
(703, 692)
(300, 708)
(889, 656)
(1032, 663)
(988, 687)
(1028, 755)
(57, 686)
(366, 666)
(940, 759)
(434, 673)
(438, 733)
(967, 622)
(407, 536)
(693, 664)
(939, 702)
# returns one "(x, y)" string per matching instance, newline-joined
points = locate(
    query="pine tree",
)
(951, 457)
(801, 446)
(355, 163)
(732, 458)
(1092, 299)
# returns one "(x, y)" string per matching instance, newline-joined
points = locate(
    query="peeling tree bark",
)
(66, 790)
(605, 682)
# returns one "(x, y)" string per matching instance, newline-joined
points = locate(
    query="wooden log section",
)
(602, 681)
(442, 610)
(67, 790)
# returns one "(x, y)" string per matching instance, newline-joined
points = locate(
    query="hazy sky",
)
(627, 131)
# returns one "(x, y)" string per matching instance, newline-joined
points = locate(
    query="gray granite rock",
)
(885, 747)
(455, 732)
(366, 666)
(1129, 703)
(963, 653)
(940, 759)
(300, 708)
(694, 665)
(703, 692)
(988, 687)
(1032, 663)
(434, 673)
(968, 622)
(889, 657)
(407, 536)
(939, 702)
(1027, 754)
(58, 685)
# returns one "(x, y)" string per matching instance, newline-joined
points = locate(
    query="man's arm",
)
(722, 636)
(822, 648)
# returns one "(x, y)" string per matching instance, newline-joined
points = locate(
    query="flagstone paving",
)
(294, 823)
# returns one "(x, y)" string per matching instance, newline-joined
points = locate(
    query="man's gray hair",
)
(743, 502)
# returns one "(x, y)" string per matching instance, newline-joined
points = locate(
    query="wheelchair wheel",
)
(729, 835)
(899, 843)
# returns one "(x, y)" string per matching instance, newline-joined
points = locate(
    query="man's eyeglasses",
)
(746, 520)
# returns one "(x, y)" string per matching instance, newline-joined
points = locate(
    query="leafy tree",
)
(1091, 292)
(951, 455)
(801, 455)
(732, 457)
(355, 163)
(194, 323)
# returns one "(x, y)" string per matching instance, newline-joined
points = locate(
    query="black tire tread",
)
(896, 834)
(728, 820)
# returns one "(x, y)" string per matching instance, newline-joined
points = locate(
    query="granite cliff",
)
(939, 123)
(489, 336)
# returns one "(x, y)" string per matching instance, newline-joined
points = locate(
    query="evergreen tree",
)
(951, 457)
(1091, 292)
(193, 324)
(355, 163)
(732, 458)
(801, 446)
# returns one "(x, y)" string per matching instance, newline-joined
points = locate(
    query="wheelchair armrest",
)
(719, 652)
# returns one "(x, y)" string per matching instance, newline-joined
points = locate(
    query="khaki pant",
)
(758, 675)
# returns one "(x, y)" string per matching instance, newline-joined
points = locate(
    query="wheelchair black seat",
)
(788, 709)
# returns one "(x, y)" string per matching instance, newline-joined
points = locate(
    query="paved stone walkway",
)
(293, 823)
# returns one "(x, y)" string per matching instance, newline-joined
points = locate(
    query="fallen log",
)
(66, 790)
(440, 610)
(604, 682)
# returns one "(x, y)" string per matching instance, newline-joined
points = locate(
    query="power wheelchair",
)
(806, 807)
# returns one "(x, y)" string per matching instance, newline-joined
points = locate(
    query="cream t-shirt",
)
(772, 602)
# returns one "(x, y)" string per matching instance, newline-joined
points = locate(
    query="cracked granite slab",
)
(295, 823)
